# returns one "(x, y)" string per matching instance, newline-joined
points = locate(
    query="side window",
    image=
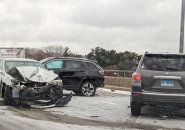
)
(54, 64)
(1, 65)
(91, 66)
(73, 64)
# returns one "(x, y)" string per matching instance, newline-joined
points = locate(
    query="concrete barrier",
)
(120, 82)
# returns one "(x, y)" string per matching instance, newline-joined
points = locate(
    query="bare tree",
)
(49, 51)
(54, 50)
(36, 54)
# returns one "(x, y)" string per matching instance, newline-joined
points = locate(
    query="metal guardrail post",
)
(181, 46)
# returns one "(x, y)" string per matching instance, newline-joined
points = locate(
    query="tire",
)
(87, 89)
(7, 96)
(135, 108)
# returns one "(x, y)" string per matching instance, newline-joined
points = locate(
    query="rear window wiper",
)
(172, 68)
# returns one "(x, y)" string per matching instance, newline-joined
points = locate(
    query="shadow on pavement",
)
(163, 112)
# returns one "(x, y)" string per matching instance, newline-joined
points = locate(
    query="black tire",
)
(135, 108)
(87, 89)
(7, 95)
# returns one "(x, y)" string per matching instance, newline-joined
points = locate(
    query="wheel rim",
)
(88, 89)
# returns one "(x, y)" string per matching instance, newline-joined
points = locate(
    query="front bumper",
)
(103, 85)
(50, 95)
(59, 103)
(100, 82)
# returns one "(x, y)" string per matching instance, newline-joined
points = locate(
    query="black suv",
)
(80, 75)
(158, 81)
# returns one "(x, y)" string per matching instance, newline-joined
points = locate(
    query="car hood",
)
(36, 74)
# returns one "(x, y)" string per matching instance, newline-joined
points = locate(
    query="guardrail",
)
(119, 73)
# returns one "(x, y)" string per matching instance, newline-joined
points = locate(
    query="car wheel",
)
(7, 95)
(87, 89)
(135, 108)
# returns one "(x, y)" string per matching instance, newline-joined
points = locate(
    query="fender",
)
(87, 78)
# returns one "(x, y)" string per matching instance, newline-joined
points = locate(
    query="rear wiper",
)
(172, 68)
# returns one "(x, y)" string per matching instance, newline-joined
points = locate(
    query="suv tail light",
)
(136, 76)
(101, 72)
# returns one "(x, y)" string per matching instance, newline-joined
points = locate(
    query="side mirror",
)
(57, 72)
(46, 66)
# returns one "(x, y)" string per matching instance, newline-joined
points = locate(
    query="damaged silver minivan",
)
(27, 81)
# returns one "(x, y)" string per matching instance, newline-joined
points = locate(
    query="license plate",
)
(166, 82)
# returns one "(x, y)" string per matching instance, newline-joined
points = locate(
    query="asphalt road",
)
(105, 111)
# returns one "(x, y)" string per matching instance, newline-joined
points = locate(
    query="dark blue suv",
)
(80, 75)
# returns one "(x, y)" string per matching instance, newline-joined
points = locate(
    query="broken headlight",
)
(15, 82)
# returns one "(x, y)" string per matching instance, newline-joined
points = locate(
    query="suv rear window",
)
(162, 62)
(91, 66)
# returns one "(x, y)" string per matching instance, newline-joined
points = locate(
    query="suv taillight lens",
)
(101, 72)
(136, 76)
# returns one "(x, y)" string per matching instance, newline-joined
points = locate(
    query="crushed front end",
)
(37, 88)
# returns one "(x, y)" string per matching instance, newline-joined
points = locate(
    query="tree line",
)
(111, 59)
(49, 51)
(108, 59)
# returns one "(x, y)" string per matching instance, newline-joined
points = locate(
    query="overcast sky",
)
(133, 25)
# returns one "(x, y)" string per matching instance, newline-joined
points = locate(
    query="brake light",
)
(136, 93)
(136, 76)
(101, 72)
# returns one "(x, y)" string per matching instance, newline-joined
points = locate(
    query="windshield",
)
(11, 64)
(164, 62)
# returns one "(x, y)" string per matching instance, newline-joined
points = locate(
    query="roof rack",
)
(74, 58)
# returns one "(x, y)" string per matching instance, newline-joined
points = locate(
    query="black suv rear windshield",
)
(162, 62)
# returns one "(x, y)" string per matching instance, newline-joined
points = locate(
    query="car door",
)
(56, 65)
(68, 71)
(72, 74)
